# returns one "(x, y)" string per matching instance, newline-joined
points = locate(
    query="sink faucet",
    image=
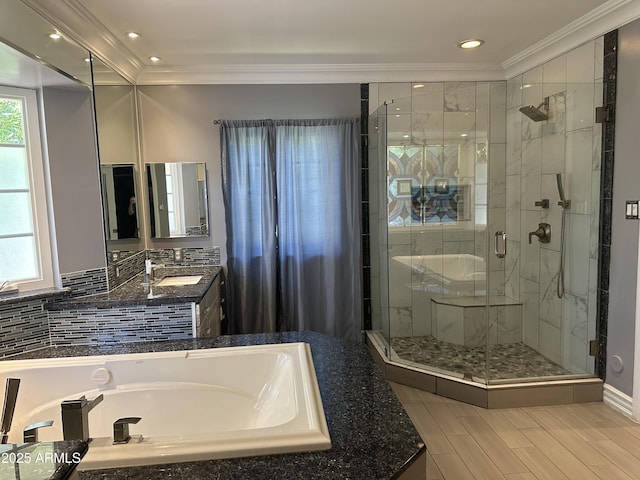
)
(150, 270)
(75, 417)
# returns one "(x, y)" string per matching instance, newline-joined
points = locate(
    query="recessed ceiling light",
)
(418, 85)
(87, 59)
(154, 59)
(55, 36)
(464, 134)
(471, 43)
(133, 34)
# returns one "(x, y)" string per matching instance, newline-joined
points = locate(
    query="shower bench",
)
(462, 320)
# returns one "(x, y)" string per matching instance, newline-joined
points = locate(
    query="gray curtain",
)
(305, 216)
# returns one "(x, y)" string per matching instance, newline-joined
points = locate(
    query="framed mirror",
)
(177, 200)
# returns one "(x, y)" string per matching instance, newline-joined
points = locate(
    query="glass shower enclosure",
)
(468, 229)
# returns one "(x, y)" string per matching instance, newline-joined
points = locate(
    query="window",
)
(25, 251)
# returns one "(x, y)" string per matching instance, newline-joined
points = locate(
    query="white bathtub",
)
(456, 272)
(195, 405)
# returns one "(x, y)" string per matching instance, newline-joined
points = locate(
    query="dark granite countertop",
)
(134, 292)
(40, 461)
(372, 436)
(15, 297)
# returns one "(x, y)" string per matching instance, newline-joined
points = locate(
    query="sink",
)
(179, 281)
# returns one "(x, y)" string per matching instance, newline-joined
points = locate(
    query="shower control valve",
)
(543, 233)
(544, 203)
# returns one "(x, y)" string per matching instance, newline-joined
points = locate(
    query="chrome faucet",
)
(75, 417)
(150, 270)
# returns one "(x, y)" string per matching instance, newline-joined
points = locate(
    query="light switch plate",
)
(631, 209)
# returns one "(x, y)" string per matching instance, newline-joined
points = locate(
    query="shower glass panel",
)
(462, 171)
(434, 207)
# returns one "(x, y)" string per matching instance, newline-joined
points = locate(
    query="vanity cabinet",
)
(208, 312)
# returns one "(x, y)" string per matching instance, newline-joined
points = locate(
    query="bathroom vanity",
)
(160, 309)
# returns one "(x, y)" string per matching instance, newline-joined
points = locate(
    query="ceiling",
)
(220, 41)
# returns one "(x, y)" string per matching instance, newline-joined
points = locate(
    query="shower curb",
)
(529, 394)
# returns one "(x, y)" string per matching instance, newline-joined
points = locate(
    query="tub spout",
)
(30, 432)
(121, 429)
(75, 417)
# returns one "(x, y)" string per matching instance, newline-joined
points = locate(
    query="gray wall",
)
(74, 179)
(176, 125)
(624, 235)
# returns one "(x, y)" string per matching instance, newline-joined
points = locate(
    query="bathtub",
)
(195, 405)
(456, 272)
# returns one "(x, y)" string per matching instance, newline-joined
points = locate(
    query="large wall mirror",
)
(177, 200)
(116, 117)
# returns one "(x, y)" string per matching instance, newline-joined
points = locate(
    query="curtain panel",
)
(292, 212)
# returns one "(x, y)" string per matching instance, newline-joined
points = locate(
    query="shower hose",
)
(560, 284)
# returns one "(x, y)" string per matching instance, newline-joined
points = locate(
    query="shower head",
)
(534, 113)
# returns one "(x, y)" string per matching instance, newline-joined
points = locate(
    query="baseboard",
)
(617, 400)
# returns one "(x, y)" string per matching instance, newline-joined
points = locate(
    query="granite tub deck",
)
(372, 436)
(134, 293)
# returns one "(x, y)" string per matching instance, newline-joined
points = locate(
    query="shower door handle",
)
(500, 252)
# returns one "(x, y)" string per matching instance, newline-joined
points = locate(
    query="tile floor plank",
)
(445, 418)
(538, 464)
(491, 443)
(433, 472)
(580, 448)
(610, 472)
(506, 430)
(562, 458)
(475, 458)
(620, 457)
(452, 467)
(435, 440)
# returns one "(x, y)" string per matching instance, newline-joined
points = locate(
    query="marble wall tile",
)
(398, 93)
(459, 97)
(427, 128)
(529, 296)
(427, 99)
(513, 204)
(553, 214)
(553, 153)
(549, 342)
(421, 313)
(580, 107)
(578, 168)
(550, 305)
(514, 141)
(509, 323)
(531, 170)
(575, 326)
(401, 324)
(555, 71)
(498, 113)
(449, 323)
(476, 330)
(497, 175)
(529, 252)
(577, 233)
(514, 92)
(598, 63)
(512, 270)
(482, 110)
(581, 64)
(532, 76)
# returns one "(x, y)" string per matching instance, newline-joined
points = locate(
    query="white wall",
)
(176, 125)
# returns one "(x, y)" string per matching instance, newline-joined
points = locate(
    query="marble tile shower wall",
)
(568, 143)
(471, 117)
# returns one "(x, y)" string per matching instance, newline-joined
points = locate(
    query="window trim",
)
(38, 187)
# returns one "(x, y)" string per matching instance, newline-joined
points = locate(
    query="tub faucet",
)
(75, 417)
(10, 397)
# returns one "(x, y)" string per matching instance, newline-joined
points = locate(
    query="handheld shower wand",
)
(565, 204)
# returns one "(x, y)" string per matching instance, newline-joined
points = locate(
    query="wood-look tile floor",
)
(587, 441)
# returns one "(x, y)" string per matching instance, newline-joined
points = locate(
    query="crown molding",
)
(320, 73)
(601, 20)
(76, 22)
